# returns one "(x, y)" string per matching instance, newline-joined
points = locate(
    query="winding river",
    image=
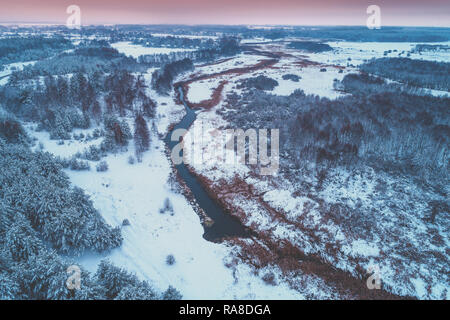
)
(225, 225)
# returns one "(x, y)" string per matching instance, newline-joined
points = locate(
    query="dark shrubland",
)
(18, 49)
(141, 136)
(11, 129)
(85, 60)
(212, 50)
(260, 82)
(375, 127)
(309, 46)
(163, 78)
(292, 77)
(419, 73)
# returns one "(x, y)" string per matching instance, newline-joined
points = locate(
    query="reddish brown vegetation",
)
(262, 249)
(215, 99)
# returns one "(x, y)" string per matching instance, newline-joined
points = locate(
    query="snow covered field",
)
(202, 90)
(136, 50)
(356, 53)
(358, 191)
(136, 192)
(10, 68)
(205, 270)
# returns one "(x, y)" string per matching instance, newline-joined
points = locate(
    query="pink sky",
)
(286, 12)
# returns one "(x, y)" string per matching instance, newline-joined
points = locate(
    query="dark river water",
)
(224, 225)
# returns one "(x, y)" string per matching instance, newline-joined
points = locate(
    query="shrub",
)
(93, 153)
(117, 131)
(167, 207)
(292, 77)
(10, 129)
(78, 165)
(102, 166)
(170, 260)
(269, 278)
(260, 83)
(171, 294)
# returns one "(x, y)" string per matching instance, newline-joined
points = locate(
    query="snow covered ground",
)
(398, 211)
(239, 61)
(137, 192)
(312, 80)
(202, 90)
(136, 50)
(357, 53)
(10, 68)
(202, 270)
(205, 270)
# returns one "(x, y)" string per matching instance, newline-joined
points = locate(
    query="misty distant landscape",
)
(90, 123)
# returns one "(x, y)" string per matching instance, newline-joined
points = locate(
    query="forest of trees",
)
(375, 127)
(141, 136)
(34, 187)
(225, 46)
(20, 49)
(42, 217)
(260, 82)
(360, 33)
(44, 220)
(84, 60)
(419, 73)
(63, 103)
(162, 79)
(309, 46)
(175, 42)
(430, 48)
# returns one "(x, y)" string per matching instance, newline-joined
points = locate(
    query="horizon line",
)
(215, 24)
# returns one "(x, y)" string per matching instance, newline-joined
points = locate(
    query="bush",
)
(117, 132)
(10, 129)
(172, 294)
(167, 207)
(78, 165)
(131, 160)
(269, 278)
(93, 153)
(292, 77)
(102, 166)
(170, 260)
(260, 83)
